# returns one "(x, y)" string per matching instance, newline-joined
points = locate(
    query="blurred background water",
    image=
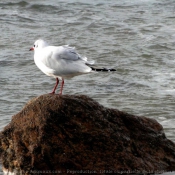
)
(136, 37)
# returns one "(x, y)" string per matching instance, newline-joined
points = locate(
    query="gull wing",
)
(65, 53)
(64, 61)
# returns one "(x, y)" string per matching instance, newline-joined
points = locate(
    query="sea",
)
(135, 37)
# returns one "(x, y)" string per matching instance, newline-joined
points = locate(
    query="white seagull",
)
(61, 62)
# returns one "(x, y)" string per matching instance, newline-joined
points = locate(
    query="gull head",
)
(39, 44)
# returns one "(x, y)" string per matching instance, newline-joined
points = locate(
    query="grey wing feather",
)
(67, 53)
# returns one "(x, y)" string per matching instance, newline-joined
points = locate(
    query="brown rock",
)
(74, 134)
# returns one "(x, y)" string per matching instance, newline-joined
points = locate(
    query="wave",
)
(21, 4)
(43, 7)
(29, 6)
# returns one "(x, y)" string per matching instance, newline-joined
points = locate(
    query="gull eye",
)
(34, 45)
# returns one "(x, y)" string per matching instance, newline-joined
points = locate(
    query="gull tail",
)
(91, 62)
(102, 69)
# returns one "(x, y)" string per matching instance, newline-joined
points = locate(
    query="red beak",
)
(31, 49)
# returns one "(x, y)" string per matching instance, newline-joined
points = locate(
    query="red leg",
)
(57, 81)
(62, 84)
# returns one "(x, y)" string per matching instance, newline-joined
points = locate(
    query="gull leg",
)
(62, 84)
(57, 81)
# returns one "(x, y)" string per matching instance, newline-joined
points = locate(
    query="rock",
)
(65, 134)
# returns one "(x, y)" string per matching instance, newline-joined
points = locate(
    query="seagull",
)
(61, 62)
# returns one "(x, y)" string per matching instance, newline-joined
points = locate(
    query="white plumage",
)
(59, 61)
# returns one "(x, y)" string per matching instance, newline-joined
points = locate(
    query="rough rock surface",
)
(65, 134)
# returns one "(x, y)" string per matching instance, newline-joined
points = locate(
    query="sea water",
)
(136, 37)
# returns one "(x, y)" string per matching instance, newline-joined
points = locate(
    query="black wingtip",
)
(102, 69)
(106, 69)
